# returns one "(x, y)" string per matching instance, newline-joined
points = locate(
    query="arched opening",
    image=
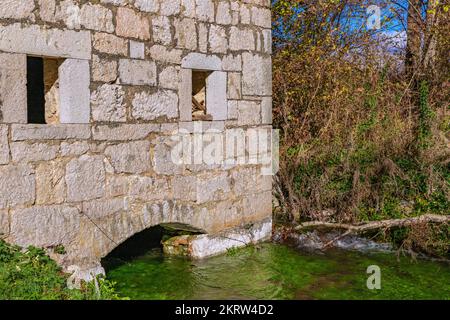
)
(146, 241)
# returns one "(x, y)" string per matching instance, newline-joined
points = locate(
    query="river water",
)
(277, 271)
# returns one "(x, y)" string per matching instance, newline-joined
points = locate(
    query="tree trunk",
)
(414, 38)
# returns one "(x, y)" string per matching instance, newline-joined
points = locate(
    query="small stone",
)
(151, 6)
(108, 43)
(50, 183)
(223, 13)
(103, 70)
(96, 17)
(218, 42)
(170, 7)
(186, 34)
(169, 78)
(234, 86)
(16, 9)
(137, 50)
(161, 30)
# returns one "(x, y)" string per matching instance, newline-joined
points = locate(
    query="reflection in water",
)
(273, 271)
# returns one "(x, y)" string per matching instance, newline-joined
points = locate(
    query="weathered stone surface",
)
(47, 10)
(216, 95)
(163, 161)
(185, 188)
(76, 148)
(44, 226)
(242, 39)
(16, 9)
(4, 223)
(244, 14)
(4, 146)
(232, 109)
(108, 103)
(261, 17)
(232, 63)
(74, 92)
(205, 10)
(202, 37)
(13, 88)
(267, 38)
(85, 178)
(130, 157)
(124, 131)
(186, 34)
(100, 209)
(21, 132)
(169, 78)
(266, 110)
(132, 24)
(161, 53)
(163, 103)
(201, 62)
(149, 188)
(258, 205)
(137, 50)
(223, 15)
(23, 151)
(17, 185)
(212, 187)
(234, 86)
(50, 183)
(104, 70)
(45, 42)
(170, 7)
(257, 75)
(147, 5)
(108, 43)
(96, 17)
(161, 30)
(218, 42)
(137, 72)
(249, 112)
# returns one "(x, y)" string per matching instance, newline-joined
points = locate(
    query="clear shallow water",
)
(274, 271)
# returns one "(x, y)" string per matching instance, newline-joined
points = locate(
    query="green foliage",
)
(30, 274)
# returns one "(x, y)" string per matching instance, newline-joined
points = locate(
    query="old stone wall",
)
(104, 171)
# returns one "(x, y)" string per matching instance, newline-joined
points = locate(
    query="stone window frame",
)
(74, 73)
(216, 86)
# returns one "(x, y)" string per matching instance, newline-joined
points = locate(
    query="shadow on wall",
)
(145, 241)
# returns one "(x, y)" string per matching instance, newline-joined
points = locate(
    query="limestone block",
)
(124, 131)
(232, 62)
(117, 185)
(130, 157)
(21, 132)
(249, 112)
(223, 13)
(232, 109)
(101, 209)
(4, 223)
(163, 162)
(257, 75)
(202, 37)
(108, 103)
(44, 226)
(41, 41)
(131, 24)
(248, 180)
(96, 17)
(103, 70)
(218, 42)
(201, 61)
(186, 34)
(267, 39)
(85, 178)
(244, 14)
(17, 185)
(137, 50)
(76, 148)
(50, 183)
(4, 147)
(170, 7)
(213, 187)
(258, 205)
(234, 86)
(74, 92)
(137, 72)
(13, 88)
(149, 188)
(163, 103)
(185, 92)
(169, 78)
(147, 5)
(110, 44)
(261, 17)
(161, 53)
(205, 10)
(188, 8)
(16, 9)
(216, 95)
(266, 110)
(184, 188)
(161, 30)
(47, 10)
(242, 39)
(23, 151)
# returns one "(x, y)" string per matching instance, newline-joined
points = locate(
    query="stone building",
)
(92, 94)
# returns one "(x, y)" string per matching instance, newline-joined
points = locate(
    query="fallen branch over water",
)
(373, 225)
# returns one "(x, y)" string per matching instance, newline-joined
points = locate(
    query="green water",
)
(273, 271)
